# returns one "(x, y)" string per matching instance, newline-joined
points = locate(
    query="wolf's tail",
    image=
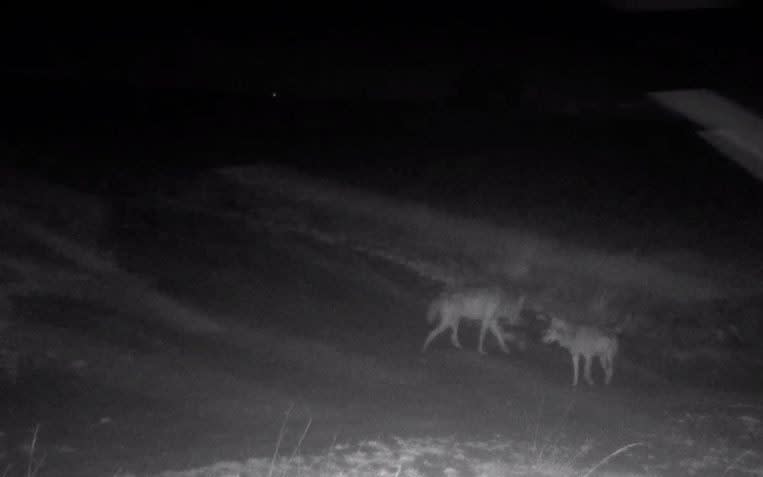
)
(434, 309)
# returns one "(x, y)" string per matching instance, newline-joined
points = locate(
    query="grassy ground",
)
(320, 291)
(196, 320)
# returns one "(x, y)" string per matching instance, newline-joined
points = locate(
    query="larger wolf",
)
(488, 305)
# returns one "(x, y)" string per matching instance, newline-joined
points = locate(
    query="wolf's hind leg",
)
(433, 334)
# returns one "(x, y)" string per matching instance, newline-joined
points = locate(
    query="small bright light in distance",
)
(274, 94)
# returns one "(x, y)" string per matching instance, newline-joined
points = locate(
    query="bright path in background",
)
(735, 131)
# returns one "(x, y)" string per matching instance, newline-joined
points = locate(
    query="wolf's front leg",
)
(483, 331)
(607, 365)
(496, 330)
(587, 370)
(454, 335)
(575, 364)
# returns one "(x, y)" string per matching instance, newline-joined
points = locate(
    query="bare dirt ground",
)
(318, 355)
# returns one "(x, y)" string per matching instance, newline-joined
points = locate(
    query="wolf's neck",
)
(565, 341)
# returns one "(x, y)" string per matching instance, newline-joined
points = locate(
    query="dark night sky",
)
(62, 76)
(319, 52)
(708, 40)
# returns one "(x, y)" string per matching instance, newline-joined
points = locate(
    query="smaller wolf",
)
(483, 304)
(586, 341)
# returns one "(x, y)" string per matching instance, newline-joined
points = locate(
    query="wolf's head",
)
(557, 331)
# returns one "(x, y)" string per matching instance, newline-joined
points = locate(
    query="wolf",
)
(486, 305)
(586, 341)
